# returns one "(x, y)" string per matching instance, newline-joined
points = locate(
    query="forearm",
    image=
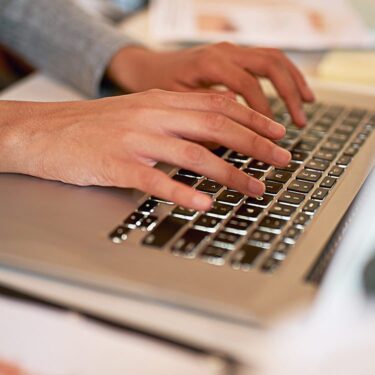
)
(60, 38)
(19, 122)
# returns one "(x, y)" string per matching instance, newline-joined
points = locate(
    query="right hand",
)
(116, 142)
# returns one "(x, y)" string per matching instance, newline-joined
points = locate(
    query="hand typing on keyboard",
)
(116, 141)
(196, 69)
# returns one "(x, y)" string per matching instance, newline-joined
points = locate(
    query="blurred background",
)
(308, 26)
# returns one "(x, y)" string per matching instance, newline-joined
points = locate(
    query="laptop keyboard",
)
(245, 232)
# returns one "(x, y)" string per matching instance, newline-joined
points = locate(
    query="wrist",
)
(127, 67)
(19, 124)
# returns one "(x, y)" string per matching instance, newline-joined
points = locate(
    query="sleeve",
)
(60, 38)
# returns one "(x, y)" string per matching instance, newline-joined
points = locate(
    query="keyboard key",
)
(336, 171)
(261, 238)
(273, 187)
(189, 241)
(279, 176)
(236, 156)
(300, 186)
(190, 181)
(282, 210)
(351, 150)
(186, 213)
(292, 198)
(320, 194)
(209, 186)
(331, 146)
(226, 239)
(317, 165)
(236, 164)
(134, 220)
(220, 151)
(148, 206)
(259, 165)
(237, 225)
(248, 212)
(328, 182)
(207, 223)
(186, 172)
(164, 232)
(272, 224)
(270, 264)
(230, 197)
(246, 257)
(160, 200)
(291, 167)
(292, 234)
(149, 222)
(281, 250)
(325, 155)
(301, 220)
(345, 129)
(303, 146)
(215, 255)
(344, 160)
(262, 201)
(220, 210)
(311, 206)
(299, 156)
(338, 138)
(307, 175)
(254, 173)
(119, 234)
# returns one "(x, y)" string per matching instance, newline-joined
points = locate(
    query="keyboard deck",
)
(258, 233)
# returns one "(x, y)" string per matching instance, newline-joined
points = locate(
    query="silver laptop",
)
(246, 260)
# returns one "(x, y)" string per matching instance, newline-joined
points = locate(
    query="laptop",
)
(247, 260)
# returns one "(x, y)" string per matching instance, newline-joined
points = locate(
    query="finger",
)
(197, 158)
(238, 80)
(303, 87)
(281, 78)
(202, 90)
(217, 128)
(221, 105)
(155, 182)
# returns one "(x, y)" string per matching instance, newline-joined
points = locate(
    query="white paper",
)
(295, 24)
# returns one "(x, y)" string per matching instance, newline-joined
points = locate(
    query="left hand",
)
(197, 69)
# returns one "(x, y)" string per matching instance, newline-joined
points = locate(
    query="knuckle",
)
(224, 45)
(217, 101)
(256, 142)
(231, 174)
(215, 122)
(194, 154)
(254, 117)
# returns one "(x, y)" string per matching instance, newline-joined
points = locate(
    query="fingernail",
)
(256, 188)
(276, 130)
(280, 156)
(202, 202)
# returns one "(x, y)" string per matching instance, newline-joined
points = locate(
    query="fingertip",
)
(256, 187)
(300, 117)
(280, 156)
(276, 130)
(201, 202)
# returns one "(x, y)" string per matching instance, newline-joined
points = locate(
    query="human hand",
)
(116, 141)
(197, 69)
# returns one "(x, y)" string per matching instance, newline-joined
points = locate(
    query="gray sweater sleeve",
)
(61, 39)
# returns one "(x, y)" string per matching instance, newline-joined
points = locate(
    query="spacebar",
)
(167, 228)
